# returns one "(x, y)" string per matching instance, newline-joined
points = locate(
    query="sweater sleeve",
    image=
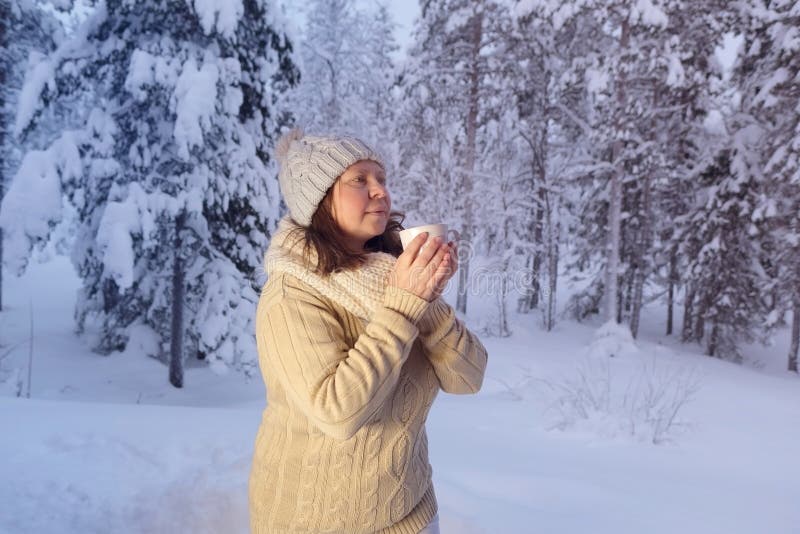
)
(457, 355)
(338, 387)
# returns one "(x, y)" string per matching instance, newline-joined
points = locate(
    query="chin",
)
(377, 231)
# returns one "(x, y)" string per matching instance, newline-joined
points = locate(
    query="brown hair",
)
(328, 240)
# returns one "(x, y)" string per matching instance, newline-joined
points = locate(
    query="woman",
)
(353, 345)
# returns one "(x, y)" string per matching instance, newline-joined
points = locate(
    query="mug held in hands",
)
(408, 235)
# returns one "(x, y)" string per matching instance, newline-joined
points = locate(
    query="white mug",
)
(408, 235)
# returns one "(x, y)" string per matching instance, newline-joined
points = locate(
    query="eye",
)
(382, 180)
(360, 179)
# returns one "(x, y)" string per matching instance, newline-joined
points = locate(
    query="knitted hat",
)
(309, 165)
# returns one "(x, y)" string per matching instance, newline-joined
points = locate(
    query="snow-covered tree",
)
(685, 128)
(347, 70)
(647, 74)
(721, 239)
(622, 86)
(548, 100)
(768, 75)
(448, 85)
(502, 172)
(169, 173)
(26, 33)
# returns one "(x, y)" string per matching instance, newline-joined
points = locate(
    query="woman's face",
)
(360, 202)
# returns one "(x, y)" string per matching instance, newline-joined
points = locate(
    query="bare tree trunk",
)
(333, 104)
(699, 329)
(503, 330)
(538, 234)
(502, 294)
(615, 201)
(636, 296)
(176, 331)
(687, 333)
(642, 248)
(795, 339)
(538, 145)
(476, 36)
(524, 304)
(672, 277)
(713, 338)
(552, 267)
(629, 281)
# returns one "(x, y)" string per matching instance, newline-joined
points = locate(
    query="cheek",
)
(354, 206)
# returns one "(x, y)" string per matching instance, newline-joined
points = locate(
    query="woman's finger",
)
(436, 260)
(412, 250)
(428, 251)
(445, 266)
(440, 277)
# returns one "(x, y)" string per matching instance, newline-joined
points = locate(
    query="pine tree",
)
(549, 119)
(721, 238)
(170, 173)
(623, 62)
(26, 33)
(686, 102)
(768, 75)
(648, 86)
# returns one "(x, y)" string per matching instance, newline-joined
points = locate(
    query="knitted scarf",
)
(359, 290)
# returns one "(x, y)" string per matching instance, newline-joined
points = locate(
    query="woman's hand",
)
(451, 266)
(423, 271)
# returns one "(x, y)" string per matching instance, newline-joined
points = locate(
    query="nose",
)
(378, 190)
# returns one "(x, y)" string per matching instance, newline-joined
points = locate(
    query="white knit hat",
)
(309, 165)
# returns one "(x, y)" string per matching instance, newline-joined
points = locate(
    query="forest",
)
(642, 152)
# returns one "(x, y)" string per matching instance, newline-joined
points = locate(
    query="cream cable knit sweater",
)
(351, 368)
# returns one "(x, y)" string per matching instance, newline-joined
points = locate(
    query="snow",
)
(33, 203)
(790, 40)
(676, 76)
(728, 51)
(764, 96)
(40, 75)
(147, 69)
(119, 221)
(194, 100)
(596, 81)
(218, 15)
(649, 14)
(566, 11)
(714, 122)
(104, 444)
(62, 5)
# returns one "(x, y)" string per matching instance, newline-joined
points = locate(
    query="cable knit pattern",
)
(369, 479)
(308, 484)
(350, 380)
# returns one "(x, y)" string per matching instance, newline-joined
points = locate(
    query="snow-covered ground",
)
(105, 444)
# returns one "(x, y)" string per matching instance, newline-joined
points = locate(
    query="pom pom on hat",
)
(282, 148)
(309, 166)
